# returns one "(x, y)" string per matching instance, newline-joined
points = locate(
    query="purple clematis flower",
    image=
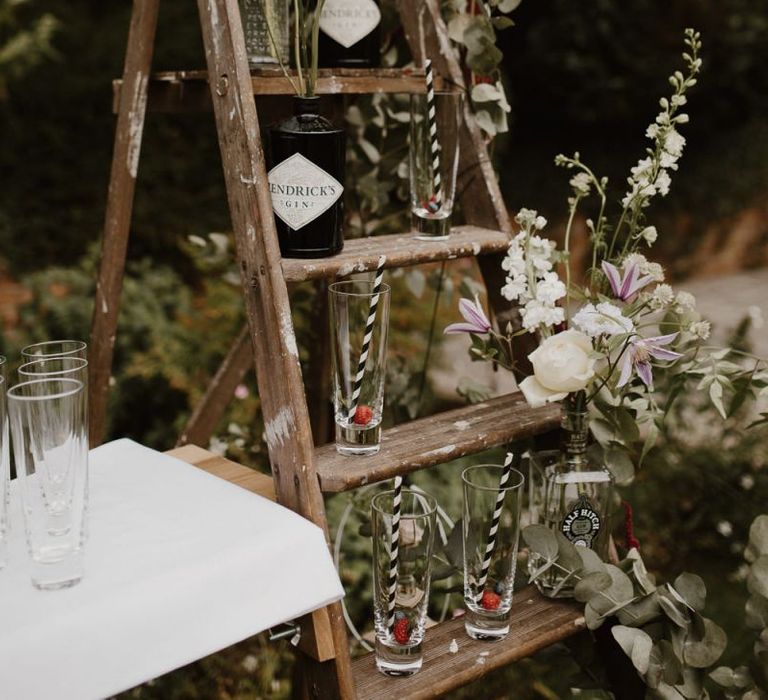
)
(476, 320)
(627, 286)
(638, 356)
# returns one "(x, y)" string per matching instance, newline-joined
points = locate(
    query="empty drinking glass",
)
(55, 348)
(359, 351)
(400, 619)
(434, 162)
(48, 424)
(5, 475)
(491, 531)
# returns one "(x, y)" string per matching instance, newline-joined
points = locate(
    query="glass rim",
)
(53, 373)
(12, 393)
(335, 288)
(78, 346)
(431, 501)
(508, 487)
(441, 93)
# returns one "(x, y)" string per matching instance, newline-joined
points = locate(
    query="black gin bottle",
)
(306, 182)
(350, 34)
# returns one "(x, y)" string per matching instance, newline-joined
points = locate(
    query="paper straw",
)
(367, 338)
(491, 544)
(434, 144)
(394, 551)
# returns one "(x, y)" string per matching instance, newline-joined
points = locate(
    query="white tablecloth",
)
(179, 564)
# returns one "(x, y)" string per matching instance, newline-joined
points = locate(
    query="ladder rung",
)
(537, 622)
(401, 250)
(435, 440)
(184, 91)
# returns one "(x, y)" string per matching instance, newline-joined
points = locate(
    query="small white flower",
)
(550, 289)
(747, 481)
(725, 528)
(603, 319)
(701, 329)
(516, 288)
(654, 270)
(635, 259)
(649, 234)
(250, 663)
(662, 297)
(674, 143)
(539, 223)
(652, 131)
(581, 183)
(663, 182)
(643, 167)
(679, 100)
(535, 314)
(526, 217)
(667, 160)
(685, 302)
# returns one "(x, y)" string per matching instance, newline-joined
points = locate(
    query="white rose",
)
(561, 364)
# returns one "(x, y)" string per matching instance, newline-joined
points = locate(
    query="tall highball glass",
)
(55, 348)
(358, 396)
(399, 623)
(491, 529)
(433, 172)
(49, 428)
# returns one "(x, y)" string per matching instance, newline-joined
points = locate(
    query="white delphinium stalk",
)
(530, 280)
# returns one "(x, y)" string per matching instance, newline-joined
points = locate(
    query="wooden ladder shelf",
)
(302, 472)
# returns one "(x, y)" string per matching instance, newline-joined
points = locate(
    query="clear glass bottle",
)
(260, 18)
(577, 496)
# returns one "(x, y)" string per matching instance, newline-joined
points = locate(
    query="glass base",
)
(61, 573)
(398, 660)
(431, 228)
(486, 626)
(358, 440)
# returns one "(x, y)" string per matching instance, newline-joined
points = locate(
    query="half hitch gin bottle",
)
(306, 182)
(350, 34)
(577, 496)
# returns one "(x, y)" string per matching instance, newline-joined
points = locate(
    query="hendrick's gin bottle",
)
(306, 182)
(350, 34)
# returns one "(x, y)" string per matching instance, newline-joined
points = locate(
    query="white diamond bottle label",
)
(581, 525)
(349, 21)
(301, 191)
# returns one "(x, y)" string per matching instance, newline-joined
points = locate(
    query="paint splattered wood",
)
(536, 623)
(440, 438)
(276, 356)
(181, 91)
(117, 219)
(400, 249)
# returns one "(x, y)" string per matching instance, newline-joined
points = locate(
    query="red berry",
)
(363, 415)
(490, 600)
(402, 631)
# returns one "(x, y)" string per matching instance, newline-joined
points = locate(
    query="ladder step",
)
(184, 91)
(226, 469)
(537, 622)
(435, 440)
(400, 249)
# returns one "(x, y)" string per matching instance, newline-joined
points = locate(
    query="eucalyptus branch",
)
(297, 45)
(276, 49)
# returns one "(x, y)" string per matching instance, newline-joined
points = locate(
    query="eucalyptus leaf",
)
(592, 618)
(677, 612)
(619, 463)
(541, 540)
(567, 553)
(704, 653)
(723, 676)
(508, 5)
(757, 612)
(757, 581)
(640, 612)
(636, 644)
(591, 584)
(691, 587)
(590, 562)
(758, 535)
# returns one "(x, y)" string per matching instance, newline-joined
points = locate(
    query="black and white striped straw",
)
(394, 551)
(434, 143)
(367, 338)
(491, 543)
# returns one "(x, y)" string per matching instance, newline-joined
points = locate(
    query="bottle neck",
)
(306, 106)
(575, 425)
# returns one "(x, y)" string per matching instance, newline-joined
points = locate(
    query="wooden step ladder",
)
(301, 471)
